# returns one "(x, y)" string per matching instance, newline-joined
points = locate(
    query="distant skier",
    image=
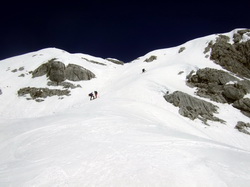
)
(0, 91)
(143, 70)
(91, 95)
(96, 94)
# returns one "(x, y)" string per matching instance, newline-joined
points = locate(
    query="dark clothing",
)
(91, 95)
(96, 93)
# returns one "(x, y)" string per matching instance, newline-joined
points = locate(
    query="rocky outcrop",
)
(77, 73)
(181, 49)
(119, 62)
(57, 72)
(151, 58)
(36, 93)
(192, 107)
(221, 87)
(233, 57)
(243, 127)
(217, 85)
(243, 105)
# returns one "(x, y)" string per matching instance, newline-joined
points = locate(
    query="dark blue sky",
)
(119, 29)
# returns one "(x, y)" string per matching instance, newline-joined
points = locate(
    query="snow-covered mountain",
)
(130, 135)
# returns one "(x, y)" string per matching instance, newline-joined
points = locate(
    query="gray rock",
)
(192, 107)
(151, 58)
(232, 93)
(243, 127)
(119, 62)
(42, 69)
(212, 84)
(57, 72)
(94, 62)
(233, 57)
(77, 73)
(42, 92)
(243, 105)
(181, 49)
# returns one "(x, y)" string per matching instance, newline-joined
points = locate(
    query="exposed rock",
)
(42, 92)
(209, 46)
(243, 105)
(115, 61)
(57, 72)
(214, 84)
(42, 69)
(94, 62)
(77, 73)
(243, 127)
(181, 49)
(233, 57)
(151, 58)
(237, 37)
(231, 93)
(192, 107)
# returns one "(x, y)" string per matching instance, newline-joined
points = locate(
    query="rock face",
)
(119, 62)
(243, 105)
(233, 57)
(192, 107)
(57, 72)
(243, 127)
(77, 73)
(232, 85)
(218, 85)
(36, 93)
(221, 87)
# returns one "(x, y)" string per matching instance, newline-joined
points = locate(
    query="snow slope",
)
(129, 136)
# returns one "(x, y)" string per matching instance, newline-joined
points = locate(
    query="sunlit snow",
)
(129, 136)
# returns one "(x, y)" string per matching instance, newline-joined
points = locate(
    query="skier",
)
(91, 95)
(143, 70)
(96, 93)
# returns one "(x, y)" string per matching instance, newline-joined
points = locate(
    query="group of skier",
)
(93, 95)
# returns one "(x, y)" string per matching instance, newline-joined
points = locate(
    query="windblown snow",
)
(128, 136)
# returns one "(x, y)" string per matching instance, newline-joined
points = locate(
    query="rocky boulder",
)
(243, 127)
(75, 72)
(243, 105)
(57, 72)
(151, 58)
(192, 107)
(218, 85)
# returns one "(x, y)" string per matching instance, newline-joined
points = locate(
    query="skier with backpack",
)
(91, 95)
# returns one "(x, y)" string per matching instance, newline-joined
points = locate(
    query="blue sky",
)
(119, 29)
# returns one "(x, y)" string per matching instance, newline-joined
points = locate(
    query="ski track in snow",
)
(129, 136)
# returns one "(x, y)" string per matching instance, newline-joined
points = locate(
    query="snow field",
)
(129, 136)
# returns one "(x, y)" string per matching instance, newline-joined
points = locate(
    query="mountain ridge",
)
(130, 135)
